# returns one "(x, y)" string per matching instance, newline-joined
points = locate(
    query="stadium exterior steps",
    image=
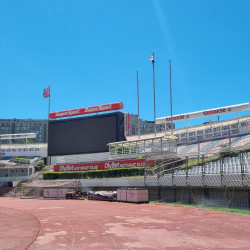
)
(24, 188)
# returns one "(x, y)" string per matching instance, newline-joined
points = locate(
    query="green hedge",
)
(20, 160)
(111, 173)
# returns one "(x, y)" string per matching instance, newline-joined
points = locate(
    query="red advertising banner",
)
(103, 165)
(88, 110)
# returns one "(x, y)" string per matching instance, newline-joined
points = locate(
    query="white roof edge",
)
(201, 111)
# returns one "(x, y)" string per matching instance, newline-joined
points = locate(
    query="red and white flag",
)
(46, 92)
(151, 58)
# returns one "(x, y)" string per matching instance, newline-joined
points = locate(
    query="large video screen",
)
(86, 134)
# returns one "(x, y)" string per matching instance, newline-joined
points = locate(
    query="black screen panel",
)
(86, 134)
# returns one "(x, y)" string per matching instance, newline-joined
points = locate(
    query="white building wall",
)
(16, 150)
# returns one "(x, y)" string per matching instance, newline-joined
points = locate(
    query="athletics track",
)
(80, 224)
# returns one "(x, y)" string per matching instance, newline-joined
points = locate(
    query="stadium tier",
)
(232, 165)
(212, 147)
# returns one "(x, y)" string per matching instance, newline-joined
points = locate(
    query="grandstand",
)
(235, 131)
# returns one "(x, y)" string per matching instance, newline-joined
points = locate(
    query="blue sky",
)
(89, 52)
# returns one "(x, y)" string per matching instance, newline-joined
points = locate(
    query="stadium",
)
(92, 158)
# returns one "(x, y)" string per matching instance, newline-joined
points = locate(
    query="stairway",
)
(25, 188)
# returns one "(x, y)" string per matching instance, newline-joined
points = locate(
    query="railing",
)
(185, 163)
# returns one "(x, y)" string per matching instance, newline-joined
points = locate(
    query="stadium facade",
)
(86, 139)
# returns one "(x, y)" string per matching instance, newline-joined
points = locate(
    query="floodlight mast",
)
(171, 98)
(139, 129)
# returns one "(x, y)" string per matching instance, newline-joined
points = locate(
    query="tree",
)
(39, 165)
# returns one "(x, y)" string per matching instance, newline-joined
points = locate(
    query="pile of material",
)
(102, 195)
(76, 195)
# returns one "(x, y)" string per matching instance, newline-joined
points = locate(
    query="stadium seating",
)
(231, 165)
(212, 147)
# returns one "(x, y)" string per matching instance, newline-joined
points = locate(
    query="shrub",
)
(20, 160)
(39, 165)
(110, 173)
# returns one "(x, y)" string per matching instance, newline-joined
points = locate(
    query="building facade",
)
(145, 126)
(16, 126)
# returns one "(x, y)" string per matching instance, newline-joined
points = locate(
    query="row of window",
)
(19, 149)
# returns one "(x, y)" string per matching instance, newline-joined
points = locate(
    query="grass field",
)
(221, 209)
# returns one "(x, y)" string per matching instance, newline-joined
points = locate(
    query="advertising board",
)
(205, 113)
(87, 110)
(6, 184)
(214, 133)
(103, 165)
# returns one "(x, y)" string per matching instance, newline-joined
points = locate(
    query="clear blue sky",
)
(89, 52)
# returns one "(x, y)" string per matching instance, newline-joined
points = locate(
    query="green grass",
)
(221, 209)
(195, 161)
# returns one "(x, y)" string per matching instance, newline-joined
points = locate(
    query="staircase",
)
(25, 187)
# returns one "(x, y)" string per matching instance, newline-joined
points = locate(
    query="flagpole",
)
(48, 161)
(171, 98)
(139, 129)
(153, 62)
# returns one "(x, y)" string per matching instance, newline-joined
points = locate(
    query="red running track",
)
(79, 224)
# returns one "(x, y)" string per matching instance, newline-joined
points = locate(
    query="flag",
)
(46, 92)
(152, 58)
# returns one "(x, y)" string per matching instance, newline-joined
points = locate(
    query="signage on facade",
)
(6, 184)
(214, 133)
(103, 165)
(205, 113)
(87, 110)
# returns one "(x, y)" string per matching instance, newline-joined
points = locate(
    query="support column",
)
(202, 170)
(198, 149)
(249, 199)
(161, 145)
(206, 193)
(159, 193)
(221, 170)
(187, 171)
(189, 196)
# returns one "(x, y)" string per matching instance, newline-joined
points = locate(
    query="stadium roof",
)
(192, 128)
